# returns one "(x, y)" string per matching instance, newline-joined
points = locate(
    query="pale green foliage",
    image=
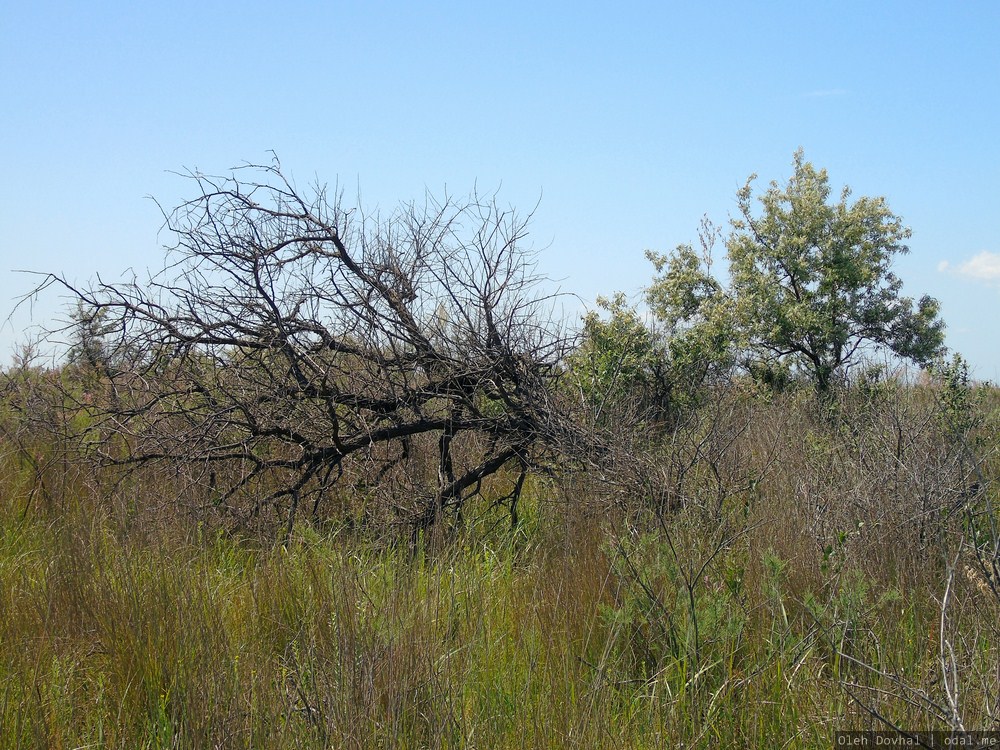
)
(625, 363)
(812, 280)
(810, 284)
(618, 358)
(685, 288)
(695, 309)
(961, 401)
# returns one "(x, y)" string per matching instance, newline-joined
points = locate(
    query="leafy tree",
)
(618, 359)
(695, 310)
(657, 365)
(811, 286)
(628, 366)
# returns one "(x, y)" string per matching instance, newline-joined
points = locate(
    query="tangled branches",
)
(293, 343)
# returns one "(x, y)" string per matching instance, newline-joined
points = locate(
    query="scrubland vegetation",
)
(341, 483)
(795, 586)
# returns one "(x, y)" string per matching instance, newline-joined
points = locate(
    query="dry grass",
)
(806, 600)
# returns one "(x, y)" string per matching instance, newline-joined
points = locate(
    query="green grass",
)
(328, 643)
(592, 626)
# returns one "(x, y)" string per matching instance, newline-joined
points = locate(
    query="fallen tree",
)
(292, 344)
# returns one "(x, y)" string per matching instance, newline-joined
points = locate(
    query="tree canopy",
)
(811, 284)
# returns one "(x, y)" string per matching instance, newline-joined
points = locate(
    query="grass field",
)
(810, 575)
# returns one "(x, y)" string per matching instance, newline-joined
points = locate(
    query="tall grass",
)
(807, 600)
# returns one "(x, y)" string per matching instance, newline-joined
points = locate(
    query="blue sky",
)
(624, 126)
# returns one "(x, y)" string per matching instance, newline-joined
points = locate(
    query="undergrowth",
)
(805, 601)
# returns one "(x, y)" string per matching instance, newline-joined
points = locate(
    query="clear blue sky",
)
(628, 124)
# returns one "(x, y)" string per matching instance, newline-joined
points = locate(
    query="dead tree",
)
(292, 341)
